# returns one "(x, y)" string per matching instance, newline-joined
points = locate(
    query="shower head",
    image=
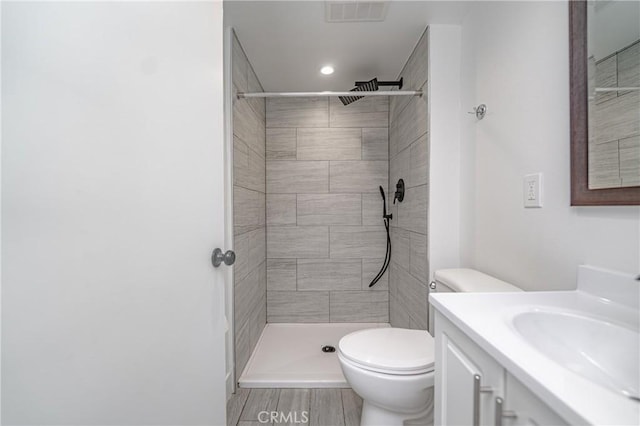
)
(366, 86)
(382, 193)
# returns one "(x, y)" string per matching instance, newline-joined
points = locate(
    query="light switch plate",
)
(532, 190)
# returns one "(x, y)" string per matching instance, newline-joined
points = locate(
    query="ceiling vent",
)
(355, 11)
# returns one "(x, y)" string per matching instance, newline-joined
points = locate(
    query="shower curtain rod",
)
(350, 93)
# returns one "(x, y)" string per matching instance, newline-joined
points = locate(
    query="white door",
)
(112, 201)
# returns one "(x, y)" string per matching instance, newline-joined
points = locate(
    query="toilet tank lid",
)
(469, 280)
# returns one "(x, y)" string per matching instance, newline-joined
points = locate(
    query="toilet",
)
(392, 369)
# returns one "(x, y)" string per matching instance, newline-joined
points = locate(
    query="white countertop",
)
(485, 318)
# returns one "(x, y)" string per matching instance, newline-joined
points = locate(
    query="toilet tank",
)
(463, 280)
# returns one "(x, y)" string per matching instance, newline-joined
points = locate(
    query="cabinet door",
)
(467, 379)
(522, 408)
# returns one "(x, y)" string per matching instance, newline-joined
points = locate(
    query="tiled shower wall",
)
(409, 159)
(250, 275)
(325, 237)
(614, 118)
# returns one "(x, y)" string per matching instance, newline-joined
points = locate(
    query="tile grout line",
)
(244, 405)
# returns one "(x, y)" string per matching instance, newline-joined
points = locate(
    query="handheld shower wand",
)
(384, 206)
(387, 258)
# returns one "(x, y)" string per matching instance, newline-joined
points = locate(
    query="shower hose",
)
(387, 258)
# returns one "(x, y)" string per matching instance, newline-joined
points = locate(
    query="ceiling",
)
(287, 42)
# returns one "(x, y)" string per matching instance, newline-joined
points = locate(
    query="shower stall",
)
(312, 234)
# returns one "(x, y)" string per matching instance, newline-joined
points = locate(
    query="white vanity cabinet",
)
(471, 388)
(522, 408)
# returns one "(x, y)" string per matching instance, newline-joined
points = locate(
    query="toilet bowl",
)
(392, 369)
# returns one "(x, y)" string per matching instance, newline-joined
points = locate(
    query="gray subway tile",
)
(398, 315)
(250, 249)
(329, 144)
(298, 242)
(242, 340)
(419, 266)
(367, 112)
(411, 123)
(357, 242)
(248, 210)
(412, 212)
(604, 165)
(370, 268)
(329, 274)
(400, 168)
(372, 208)
(375, 143)
(392, 208)
(419, 323)
(393, 136)
(606, 76)
(411, 293)
(298, 306)
(248, 167)
(249, 293)
(298, 112)
(358, 176)
(401, 247)
(281, 274)
(329, 209)
(630, 161)
(248, 126)
(397, 104)
(259, 105)
(281, 144)
(419, 162)
(417, 64)
(281, 209)
(257, 321)
(617, 118)
(415, 74)
(359, 306)
(293, 177)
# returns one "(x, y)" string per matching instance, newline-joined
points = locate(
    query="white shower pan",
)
(291, 356)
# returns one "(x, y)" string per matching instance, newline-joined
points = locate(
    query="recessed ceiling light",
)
(326, 70)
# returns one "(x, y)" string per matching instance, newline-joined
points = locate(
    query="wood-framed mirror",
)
(605, 102)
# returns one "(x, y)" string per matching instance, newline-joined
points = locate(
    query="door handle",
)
(217, 257)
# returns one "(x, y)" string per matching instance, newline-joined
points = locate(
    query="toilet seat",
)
(396, 351)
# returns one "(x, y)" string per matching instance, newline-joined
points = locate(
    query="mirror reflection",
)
(614, 93)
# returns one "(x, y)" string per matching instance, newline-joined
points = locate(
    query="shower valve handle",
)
(399, 195)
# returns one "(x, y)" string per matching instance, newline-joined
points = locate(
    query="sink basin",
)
(600, 351)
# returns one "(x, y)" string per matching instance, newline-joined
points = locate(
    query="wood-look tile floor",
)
(319, 407)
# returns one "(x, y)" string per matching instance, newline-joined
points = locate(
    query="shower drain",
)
(328, 349)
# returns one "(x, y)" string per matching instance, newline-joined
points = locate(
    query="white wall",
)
(515, 60)
(444, 147)
(112, 171)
